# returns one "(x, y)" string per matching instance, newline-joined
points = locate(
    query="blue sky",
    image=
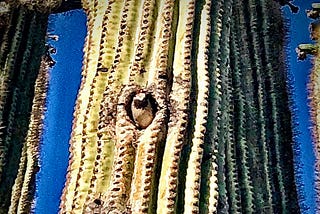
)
(63, 87)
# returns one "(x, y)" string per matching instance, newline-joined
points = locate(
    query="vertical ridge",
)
(209, 181)
(193, 176)
(178, 113)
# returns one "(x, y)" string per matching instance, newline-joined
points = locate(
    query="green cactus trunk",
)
(21, 50)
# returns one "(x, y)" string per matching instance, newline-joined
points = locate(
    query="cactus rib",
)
(314, 91)
(20, 72)
(78, 141)
(114, 37)
(122, 170)
(179, 98)
(275, 117)
(193, 176)
(140, 68)
(33, 136)
(6, 78)
(313, 96)
(6, 38)
(238, 97)
(105, 144)
(144, 183)
(17, 189)
(6, 85)
(261, 107)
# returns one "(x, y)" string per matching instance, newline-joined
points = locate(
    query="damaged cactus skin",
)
(177, 112)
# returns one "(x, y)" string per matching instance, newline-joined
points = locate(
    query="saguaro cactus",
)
(183, 108)
(217, 134)
(22, 46)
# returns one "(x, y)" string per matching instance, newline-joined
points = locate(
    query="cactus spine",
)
(314, 103)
